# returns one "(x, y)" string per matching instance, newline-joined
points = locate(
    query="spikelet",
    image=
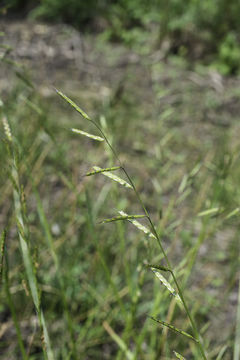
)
(138, 225)
(174, 328)
(114, 177)
(179, 356)
(7, 129)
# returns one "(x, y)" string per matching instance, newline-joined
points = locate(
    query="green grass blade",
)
(26, 255)
(84, 133)
(46, 339)
(173, 328)
(237, 334)
(25, 251)
(129, 355)
(119, 218)
(222, 352)
(75, 106)
(13, 311)
(138, 225)
(50, 243)
(102, 170)
(113, 177)
(209, 212)
(232, 213)
(178, 355)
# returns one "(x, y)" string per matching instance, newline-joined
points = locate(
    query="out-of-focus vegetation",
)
(195, 29)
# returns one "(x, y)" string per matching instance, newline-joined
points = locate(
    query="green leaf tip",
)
(174, 328)
(209, 211)
(84, 133)
(232, 213)
(74, 105)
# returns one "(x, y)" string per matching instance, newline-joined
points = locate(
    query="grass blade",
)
(118, 340)
(114, 177)
(232, 213)
(50, 243)
(209, 212)
(138, 225)
(237, 335)
(173, 328)
(84, 133)
(23, 240)
(75, 106)
(222, 352)
(13, 311)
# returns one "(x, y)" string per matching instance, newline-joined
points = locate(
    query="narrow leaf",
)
(46, 340)
(102, 170)
(138, 225)
(173, 328)
(178, 355)
(222, 352)
(166, 283)
(209, 212)
(183, 184)
(118, 340)
(117, 218)
(77, 131)
(114, 177)
(236, 355)
(75, 106)
(232, 213)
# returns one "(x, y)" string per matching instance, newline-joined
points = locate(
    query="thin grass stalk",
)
(12, 309)
(237, 334)
(24, 245)
(101, 256)
(194, 327)
(50, 243)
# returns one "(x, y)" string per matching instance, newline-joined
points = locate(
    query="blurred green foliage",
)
(197, 29)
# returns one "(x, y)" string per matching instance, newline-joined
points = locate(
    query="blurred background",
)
(162, 78)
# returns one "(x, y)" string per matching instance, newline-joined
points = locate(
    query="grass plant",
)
(153, 232)
(81, 248)
(23, 234)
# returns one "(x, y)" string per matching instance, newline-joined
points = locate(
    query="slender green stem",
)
(196, 333)
(194, 327)
(25, 249)
(13, 312)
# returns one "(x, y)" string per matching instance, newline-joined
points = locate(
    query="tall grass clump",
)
(25, 246)
(150, 231)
